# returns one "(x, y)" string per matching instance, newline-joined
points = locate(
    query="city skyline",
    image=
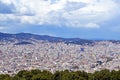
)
(87, 19)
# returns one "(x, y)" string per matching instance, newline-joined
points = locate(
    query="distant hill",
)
(29, 37)
(23, 43)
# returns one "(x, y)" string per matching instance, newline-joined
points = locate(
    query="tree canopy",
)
(63, 75)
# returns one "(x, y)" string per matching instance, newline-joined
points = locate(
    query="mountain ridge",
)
(29, 36)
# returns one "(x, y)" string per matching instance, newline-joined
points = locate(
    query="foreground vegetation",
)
(63, 75)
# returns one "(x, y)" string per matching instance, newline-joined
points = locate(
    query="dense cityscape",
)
(58, 56)
(59, 39)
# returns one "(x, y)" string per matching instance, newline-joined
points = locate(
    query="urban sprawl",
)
(49, 56)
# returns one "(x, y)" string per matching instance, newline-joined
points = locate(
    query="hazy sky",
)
(88, 19)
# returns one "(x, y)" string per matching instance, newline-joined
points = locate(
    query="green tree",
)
(45, 75)
(24, 74)
(102, 75)
(57, 75)
(5, 77)
(35, 71)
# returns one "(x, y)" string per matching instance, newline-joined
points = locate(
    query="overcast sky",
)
(88, 19)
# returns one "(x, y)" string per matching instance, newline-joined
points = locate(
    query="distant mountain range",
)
(30, 37)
